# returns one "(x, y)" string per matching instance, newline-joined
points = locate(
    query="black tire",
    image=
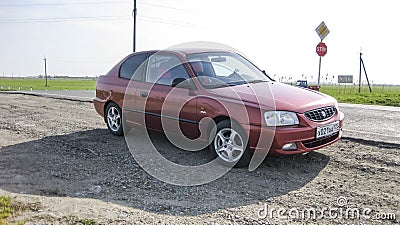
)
(113, 118)
(239, 144)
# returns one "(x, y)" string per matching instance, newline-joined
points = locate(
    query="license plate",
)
(328, 130)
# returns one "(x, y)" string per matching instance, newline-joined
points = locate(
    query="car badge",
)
(323, 114)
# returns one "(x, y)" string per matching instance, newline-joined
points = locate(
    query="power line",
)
(172, 22)
(71, 19)
(57, 4)
(65, 19)
(173, 8)
(82, 61)
(163, 22)
(161, 6)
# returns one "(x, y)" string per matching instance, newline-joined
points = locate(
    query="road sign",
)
(321, 49)
(345, 79)
(322, 30)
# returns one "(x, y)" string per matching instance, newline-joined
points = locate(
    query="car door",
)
(168, 108)
(132, 72)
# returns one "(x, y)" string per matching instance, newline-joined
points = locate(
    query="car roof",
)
(185, 51)
(188, 51)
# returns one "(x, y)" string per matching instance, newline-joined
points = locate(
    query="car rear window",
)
(131, 65)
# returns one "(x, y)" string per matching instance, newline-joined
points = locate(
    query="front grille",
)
(315, 143)
(321, 114)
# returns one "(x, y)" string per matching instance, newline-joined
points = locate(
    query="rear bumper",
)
(99, 106)
(303, 136)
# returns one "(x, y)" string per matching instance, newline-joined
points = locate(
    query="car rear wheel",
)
(113, 117)
(230, 144)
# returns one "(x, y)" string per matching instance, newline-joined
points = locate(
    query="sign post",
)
(322, 31)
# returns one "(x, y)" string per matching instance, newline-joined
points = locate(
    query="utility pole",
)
(134, 25)
(359, 76)
(365, 71)
(45, 69)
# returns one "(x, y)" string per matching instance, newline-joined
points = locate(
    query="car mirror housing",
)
(218, 59)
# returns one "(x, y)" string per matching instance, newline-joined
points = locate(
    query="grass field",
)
(53, 84)
(380, 95)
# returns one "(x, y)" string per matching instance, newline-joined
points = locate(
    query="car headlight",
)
(280, 118)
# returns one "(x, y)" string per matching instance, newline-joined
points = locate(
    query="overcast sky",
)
(87, 37)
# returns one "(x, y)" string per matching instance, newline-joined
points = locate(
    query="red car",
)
(217, 97)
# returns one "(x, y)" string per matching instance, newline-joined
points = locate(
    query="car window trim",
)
(144, 61)
(164, 54)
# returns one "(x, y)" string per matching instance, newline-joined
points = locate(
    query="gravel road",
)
(58, 156)
(367, 122)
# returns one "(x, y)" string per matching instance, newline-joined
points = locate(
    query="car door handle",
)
(144, 94)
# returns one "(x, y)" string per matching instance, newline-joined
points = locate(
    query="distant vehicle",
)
(204, 80)
(304, 84)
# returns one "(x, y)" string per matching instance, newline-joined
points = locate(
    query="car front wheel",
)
(230, 144)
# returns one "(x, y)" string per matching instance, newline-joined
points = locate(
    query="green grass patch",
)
(87, 221)
(25, 84)
(6, 209)
(9, 208)
(380, 95)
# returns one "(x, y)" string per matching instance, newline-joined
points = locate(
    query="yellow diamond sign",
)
(322, 30)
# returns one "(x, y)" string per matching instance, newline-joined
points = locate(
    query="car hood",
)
(277, 96)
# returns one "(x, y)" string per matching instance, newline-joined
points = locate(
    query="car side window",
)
(131, 69)
(164, 68)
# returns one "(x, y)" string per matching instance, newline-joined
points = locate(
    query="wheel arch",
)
(220, 118)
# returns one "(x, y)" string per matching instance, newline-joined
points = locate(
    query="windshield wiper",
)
(256, 81)
(217, 85)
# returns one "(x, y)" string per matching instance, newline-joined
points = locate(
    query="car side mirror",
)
(265, 73)
(183, 83)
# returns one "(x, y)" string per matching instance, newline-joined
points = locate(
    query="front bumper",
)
(304, 136)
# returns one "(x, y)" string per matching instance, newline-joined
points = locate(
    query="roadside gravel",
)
(58, 154)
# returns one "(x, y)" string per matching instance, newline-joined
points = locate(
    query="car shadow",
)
(95, 164)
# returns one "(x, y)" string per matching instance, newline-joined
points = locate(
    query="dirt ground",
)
(58, 156)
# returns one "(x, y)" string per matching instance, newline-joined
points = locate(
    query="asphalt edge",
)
(381, 144)
(60, 97)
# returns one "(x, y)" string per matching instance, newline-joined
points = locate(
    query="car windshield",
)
(222, 69)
